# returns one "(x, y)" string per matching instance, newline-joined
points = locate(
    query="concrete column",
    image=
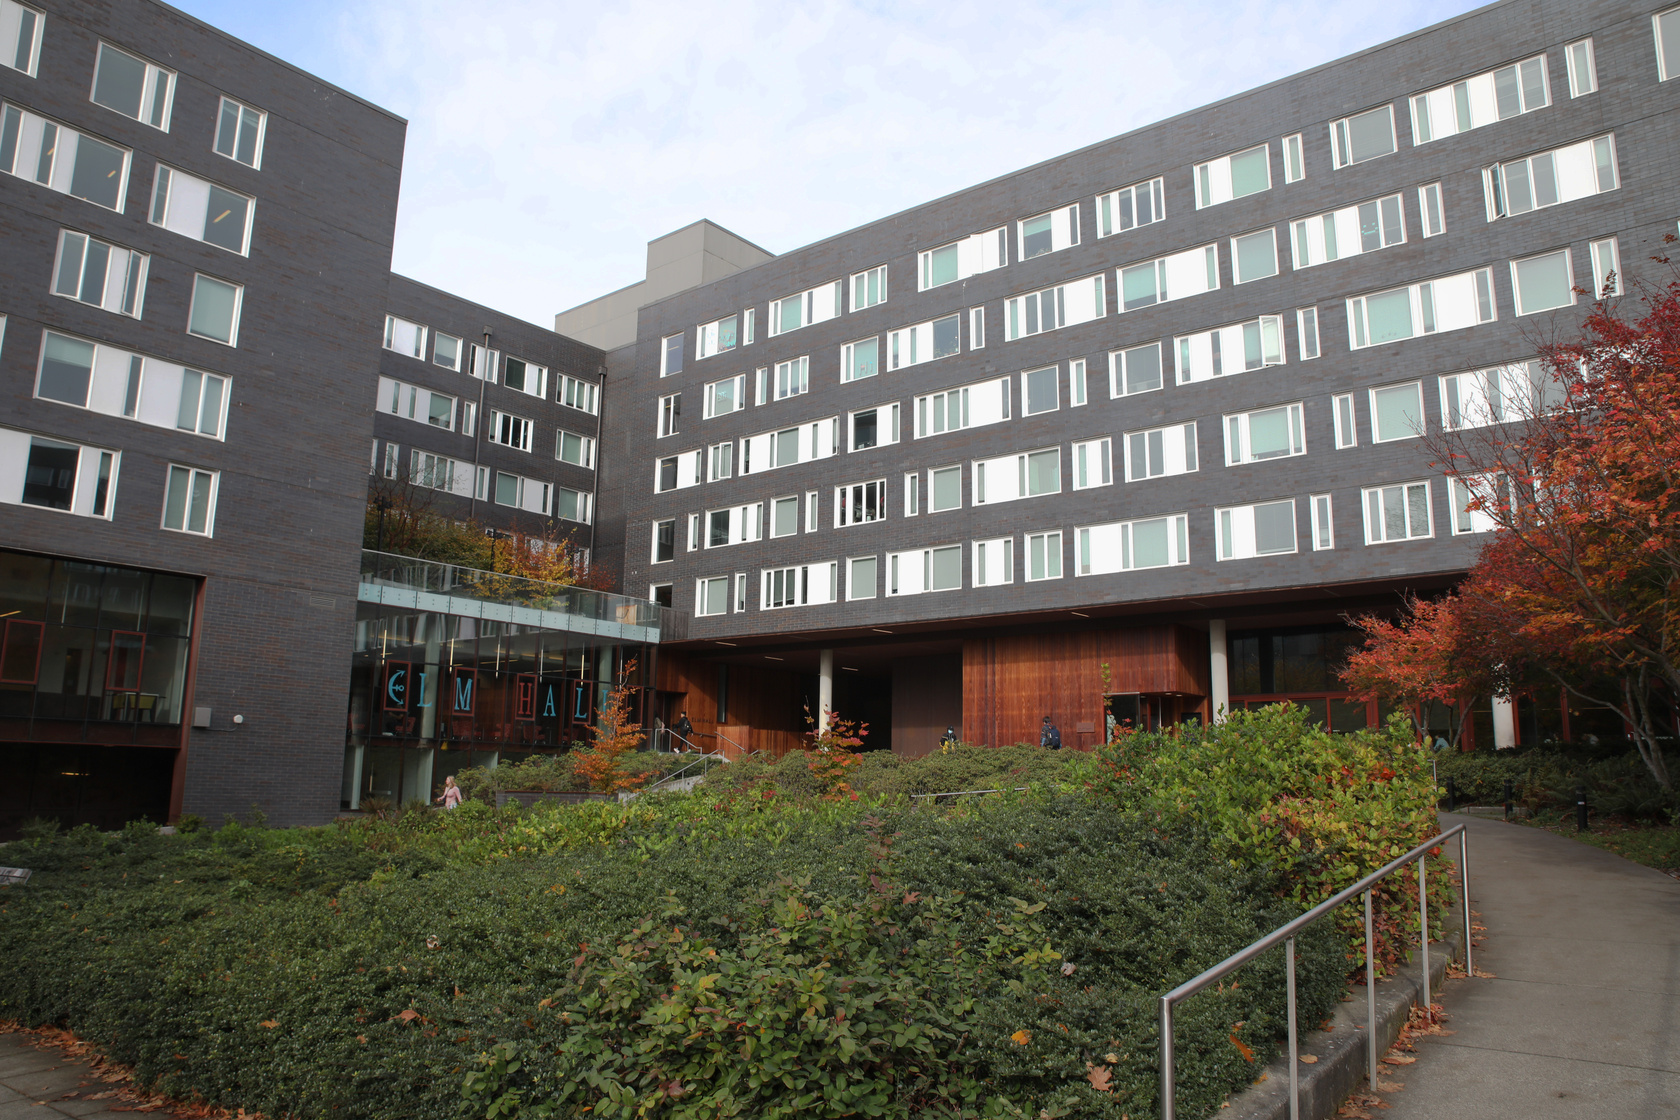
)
(1504, 722)
(1219, 674)
(825, 688)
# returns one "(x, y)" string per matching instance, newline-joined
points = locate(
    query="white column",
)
(1219, 672)
(1504, 723)
(825, 688)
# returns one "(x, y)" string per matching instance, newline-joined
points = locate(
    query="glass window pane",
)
(175, 498)
(507, 489)
(66, 368)
(1274, 528)
(946, 568)
(1143, 368)
(1398, 412)
(947, 488)
(224, 221)
(213, 309)
(1389, 315)
(942, 266)
(1370, 135)
(1035, 237)
(1268, 433)
(1149, 543)
(1249, 172)
(119, 82)
(947, 336)
(1137, 286)
(1041, 390)
(1543, 283)
(1417, 508)
(97, 177)
(1256, 256)
(1044, 472)
(49, 478)
(227, 128)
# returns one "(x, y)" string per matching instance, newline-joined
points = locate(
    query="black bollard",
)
(1580, 809)
(1507, 799)
(1452, 795)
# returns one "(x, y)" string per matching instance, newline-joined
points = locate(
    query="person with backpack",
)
(685, 732)
(1049, 737)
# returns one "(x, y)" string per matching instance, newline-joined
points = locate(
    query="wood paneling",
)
(764, 711)
(1010, 684)
(927, 697)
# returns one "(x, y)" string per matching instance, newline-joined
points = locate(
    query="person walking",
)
(685, 732)
(451, 793)
(1049, 736)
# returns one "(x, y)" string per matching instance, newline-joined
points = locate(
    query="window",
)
(440, 473)
(1038, 391)
(716, 338)
(1479, 491)
(788, 447)
(1667, 28)
(800, 586)
(510, 430)
(1583, 72)
(1500, 395)
(1092, 464)
(924, 342)
(1397, 412)
(784, 516)
(189, 500)
(1077, 301)
(1160, 452)
(514, 490)
(1011, 477)
(132, 86)
(720, 461)
(711, 596)
(720, 398)
(1447, 304)
(1397, 513)
(1137, 370)
(483, 363)
(569, 504)
(572, 448)
(810, 511)
(1126, 546)
(670, 408)
(678, 472)
(860, 577)
(1551, 178)
(62, 159)
(1323, 525)
(1607, 269)
(50, 474)
(446, 351)
(793, 378)
(873, 427)
(1347, 430)
(1294, 160)
(199, 209)
(976, 328)
(693, 531)
(761, 390)
(858, 360)
(749, 326)
(869, 288)
(945, 489)
(912, 494)
(1265, 433)
(1543, 283)
(104, 275)
(525, 377)
(670, 355)
(239, 132)
(115, 382)
(1362, 136)
(1227, 351)
(980, 252)
(925, 569)
(1129, 207)
(1494, 96)
(818, 305)
(1234, 176)
(967, 406)
(1048, 233)
(215, 309)
(660, 593)
(1306, 332)
(1044, 556)
(20, 36)
(1348, 232)
(1433, 212)
(736, 525)
(405, 337)
(1264, 529)
(994, 562)
(582, 395)
(860, 503)
(1189, 273)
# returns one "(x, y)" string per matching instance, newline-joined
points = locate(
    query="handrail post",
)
(1423, 930)
(1370, 993)
(1166, 1058)
(1294, 1044)
(1464, 888)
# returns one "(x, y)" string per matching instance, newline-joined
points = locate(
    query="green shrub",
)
(1545, 778)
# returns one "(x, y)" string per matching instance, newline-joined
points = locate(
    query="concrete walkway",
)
(1582, 1019)
(43, 1083)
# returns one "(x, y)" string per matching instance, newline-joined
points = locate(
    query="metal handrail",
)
(706, 759)
(966, 792)
(1286, 933)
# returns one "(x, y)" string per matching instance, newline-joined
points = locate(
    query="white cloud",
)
(549, 141)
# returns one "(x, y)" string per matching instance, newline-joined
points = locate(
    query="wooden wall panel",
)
(761, 701)
(1011, 683)
(927, 697)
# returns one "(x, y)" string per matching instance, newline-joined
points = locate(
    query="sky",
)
(549, 140)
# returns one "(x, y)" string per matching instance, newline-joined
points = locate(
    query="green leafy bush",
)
(1545, 778)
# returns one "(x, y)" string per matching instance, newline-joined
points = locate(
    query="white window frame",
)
(670, 410)
(986, 556)
(667, 352)
(94, 465)
(60, 168)
(1055, 405)
(1016, 472)
(130, 294)
(1070, 303)
(976, 253)
(1460, 492)
(738, 396)
(1202, 356)
(1093, 463)
(802, 573)
(11, 20)
(1143, 444)
(1063, 224)
(882, 439)
(772, 509)
(848, 360)
(1215, 184)
(192, 475)
(1119, 370)
(707, 593)
(1239, 442)
(905, 346)
(919, 562)
(1117, 210)
(1424, 312)
(1566, 170)
(1200, 261)
(1237, 275)
(396, 342)
(743, 524)
(1416, 387)
(792, 379)
(1294, 158)
(868, 288)
(913, 494)
(1237, 531)
(1666, 67)
(1046, 549)
(437, 360)
(1606, 268)
(853, 497)
(874, 576)
(1308, 342)
(1078, 389)
(483, 364)
(977, 328)
(815, 305)
(536, 377)
(166, 193)
(240, 109)
(708, 338)
(586, 449)
(934, 476)
(1312, 239)
(583, 502)
(1582, 66)
(1323, 523)
(149, 112)
(1175, 525)
(1516, 287)
(585, 396)
(1473, 102)
(1432, 210)
(1346, 421)
(1373, 511)
(238, 309)
(720, 461)
(510, 430)
(1341, 143)
(933, 410)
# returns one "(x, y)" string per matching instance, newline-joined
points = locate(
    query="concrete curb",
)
(1341, 1064)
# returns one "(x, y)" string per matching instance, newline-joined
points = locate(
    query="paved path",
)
(1582, 1019)
(45, 1084)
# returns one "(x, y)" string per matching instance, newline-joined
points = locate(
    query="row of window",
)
(463, 479)
(116, 382)
(441, 410)
(1399, 512)
(412, 339)
(113, 278)
(82, 480)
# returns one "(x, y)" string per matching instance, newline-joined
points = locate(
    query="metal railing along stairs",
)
(1286, 934)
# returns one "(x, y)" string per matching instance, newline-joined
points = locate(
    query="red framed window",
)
(20, 651)
(396, 681)
(128, 657)
(525, 696)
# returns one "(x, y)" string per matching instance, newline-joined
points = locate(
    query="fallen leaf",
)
(407, 1015)
(1067, 968)
(362, 1038)
(1248, 1055)
(1400, 1059)
(1021, 1038)
(270, 1023)
(1309, 1059)
(1390, 1086)
(1098, 1076)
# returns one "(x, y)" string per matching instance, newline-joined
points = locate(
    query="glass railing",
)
(388, 570)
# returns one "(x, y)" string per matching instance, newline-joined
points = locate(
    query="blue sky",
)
(548, 140)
